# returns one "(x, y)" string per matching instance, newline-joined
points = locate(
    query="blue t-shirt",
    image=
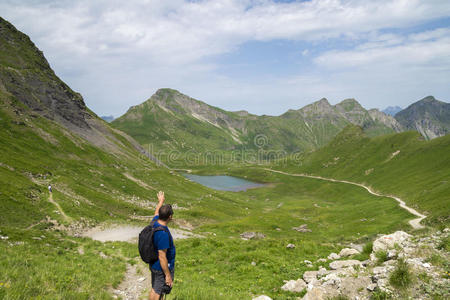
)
(163, 240)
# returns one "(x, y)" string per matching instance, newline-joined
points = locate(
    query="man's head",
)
(165, 212)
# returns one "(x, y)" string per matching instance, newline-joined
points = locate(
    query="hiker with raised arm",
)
(156, 248)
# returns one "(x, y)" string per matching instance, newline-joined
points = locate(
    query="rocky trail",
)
(126, 233)
(137, 277)
(415, 223)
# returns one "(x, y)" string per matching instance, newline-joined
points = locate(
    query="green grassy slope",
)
(42, 257)
(172, 124)
(91, 188)
(402, 164)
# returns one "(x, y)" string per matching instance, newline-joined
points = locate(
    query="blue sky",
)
(259, 55)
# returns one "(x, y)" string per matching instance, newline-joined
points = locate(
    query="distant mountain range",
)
(392, 110)
(170, 120)
(108, 119)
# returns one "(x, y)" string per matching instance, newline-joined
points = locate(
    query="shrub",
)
(368, 248)
(381, 256)
(380, 295)
(444, 244)
(401, 277)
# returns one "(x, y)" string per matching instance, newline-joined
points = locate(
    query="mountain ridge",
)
(171, 120)
(428, 116)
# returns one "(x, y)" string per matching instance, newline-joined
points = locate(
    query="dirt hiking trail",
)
(66, 217)
(415, 223)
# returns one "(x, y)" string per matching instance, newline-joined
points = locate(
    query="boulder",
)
(290, 246)
(262, 297)
(252, 235)
(309, 276)
(348, 252)
(332, 279)
(316, 293)
(388, 241)
(339, 264)
(294, 286)
(302, 228)
(333, 256)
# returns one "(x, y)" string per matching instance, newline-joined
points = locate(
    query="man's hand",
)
(161, 197)
(169, 281)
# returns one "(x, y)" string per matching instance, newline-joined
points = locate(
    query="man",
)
(163, 269)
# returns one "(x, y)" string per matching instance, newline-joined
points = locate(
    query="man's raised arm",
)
(160, 202)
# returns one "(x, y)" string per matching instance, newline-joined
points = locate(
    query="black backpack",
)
(146, 248)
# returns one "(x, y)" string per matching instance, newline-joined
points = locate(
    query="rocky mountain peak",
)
(350, 104)
(321, 106)
(428, 116)
(26, 75)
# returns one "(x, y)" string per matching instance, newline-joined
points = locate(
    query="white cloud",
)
(417, 49)
(118, 52)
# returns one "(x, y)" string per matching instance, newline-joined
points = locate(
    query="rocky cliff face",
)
(386, 119)
(428, 116)
(32, 88)
(26, 74)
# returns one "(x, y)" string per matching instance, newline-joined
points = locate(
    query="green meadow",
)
(94, 187)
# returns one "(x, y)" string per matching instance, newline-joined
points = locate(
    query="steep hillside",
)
(402, 164)
(428, 116)
(99, 175)
(171, 121)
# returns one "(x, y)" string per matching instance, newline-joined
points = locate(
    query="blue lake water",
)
(223, 182)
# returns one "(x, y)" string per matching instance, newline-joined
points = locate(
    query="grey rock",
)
(387, 242)
(262, 297)
(371, 287)
(316, 293)
(302, 228)
(348, 252)
(333, 256)
(290, 246)
(294, 286)
(252, 235)
(309, 276)
(339, 264)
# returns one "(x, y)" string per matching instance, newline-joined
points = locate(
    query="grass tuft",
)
(401, 277)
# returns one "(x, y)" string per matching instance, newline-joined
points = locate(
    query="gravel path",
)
(415, 223)
(125, 233)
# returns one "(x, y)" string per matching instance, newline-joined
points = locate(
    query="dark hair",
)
(165, 212)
